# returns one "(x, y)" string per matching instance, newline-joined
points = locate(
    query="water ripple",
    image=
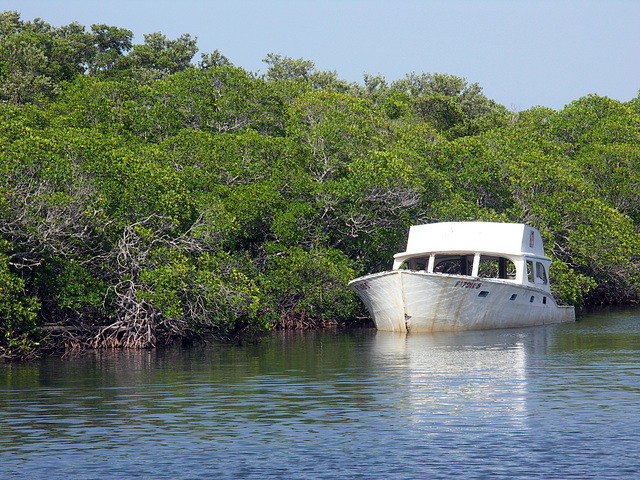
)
(553, 403)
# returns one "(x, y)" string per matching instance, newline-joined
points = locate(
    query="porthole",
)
(513, 297)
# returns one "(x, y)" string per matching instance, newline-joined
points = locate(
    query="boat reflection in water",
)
(457, 377)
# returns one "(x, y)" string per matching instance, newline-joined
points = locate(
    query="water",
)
(555, 402)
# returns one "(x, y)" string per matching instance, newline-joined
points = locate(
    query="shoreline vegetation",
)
(147, 197)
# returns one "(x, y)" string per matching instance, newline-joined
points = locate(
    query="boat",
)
(464, 276)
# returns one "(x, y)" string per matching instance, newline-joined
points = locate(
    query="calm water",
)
(550, 402)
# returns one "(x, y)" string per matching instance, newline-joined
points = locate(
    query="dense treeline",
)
(145, 198)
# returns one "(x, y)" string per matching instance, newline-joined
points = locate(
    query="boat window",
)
(541, 274)
(415, 264)
(454, 265)
(466, 264)
(530, 271)
(447, 265)
(496, 267)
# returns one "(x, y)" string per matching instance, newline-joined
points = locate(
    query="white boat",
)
(464, 276)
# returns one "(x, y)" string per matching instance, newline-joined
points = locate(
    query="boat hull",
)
(409, 301)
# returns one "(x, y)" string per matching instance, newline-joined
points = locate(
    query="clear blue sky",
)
(523, 53)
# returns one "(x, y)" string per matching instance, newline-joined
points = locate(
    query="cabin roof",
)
(513, 239)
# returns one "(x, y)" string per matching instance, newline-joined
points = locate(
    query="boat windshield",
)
(496, 267)
(489, 266)
(453, 265)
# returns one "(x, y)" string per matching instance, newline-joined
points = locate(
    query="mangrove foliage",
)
(146, 196)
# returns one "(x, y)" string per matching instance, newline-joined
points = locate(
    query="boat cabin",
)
(507, 251)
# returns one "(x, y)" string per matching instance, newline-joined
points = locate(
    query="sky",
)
(523, 53)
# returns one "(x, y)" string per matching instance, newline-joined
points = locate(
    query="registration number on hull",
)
(463, 284)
